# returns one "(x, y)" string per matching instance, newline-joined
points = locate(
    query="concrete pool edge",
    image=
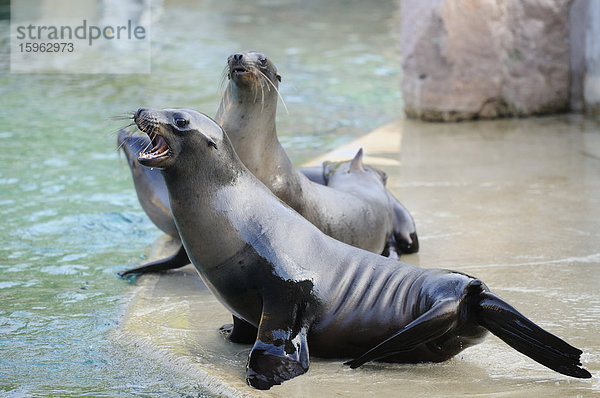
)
(132, 336)
(132, 331)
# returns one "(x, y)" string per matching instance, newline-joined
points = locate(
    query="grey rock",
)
(484, 59)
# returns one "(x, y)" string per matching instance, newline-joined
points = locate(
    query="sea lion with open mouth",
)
(294, 288)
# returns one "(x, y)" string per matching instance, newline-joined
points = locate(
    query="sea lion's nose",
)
(238, 57)
(139, 112)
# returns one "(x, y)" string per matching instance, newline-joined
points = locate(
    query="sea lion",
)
(293, 287)
(153, 196)
(247, 113)
(405, 232)
(367, 185)
(150, 187)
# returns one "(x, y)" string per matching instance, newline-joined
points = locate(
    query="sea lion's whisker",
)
(112, 132)
(145, 124)
(224, 100)
(260, 77)
(224, 74)
(152, 136)
(129, 134)
(252, 69)
(255, 91)
(121, 145)
(276, 90)
(149, 145)
(116, 131)
(126, 116)
(262, 93)
(141, 124)
(139, 138)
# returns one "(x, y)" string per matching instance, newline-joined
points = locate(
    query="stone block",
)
(473, 59)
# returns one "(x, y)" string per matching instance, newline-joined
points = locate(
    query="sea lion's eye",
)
(263, 61)
(181, 122)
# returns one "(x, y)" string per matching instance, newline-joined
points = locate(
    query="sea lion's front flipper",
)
(240, 331)
(429, 326)
(177, 260)
(280, 352)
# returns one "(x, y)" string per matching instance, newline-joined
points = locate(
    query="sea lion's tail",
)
(516, 330)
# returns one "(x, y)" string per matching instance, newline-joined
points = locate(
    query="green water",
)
(70, 217)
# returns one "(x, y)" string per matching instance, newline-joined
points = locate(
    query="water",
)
(70, 218)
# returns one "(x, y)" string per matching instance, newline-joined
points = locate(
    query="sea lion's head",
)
(176, 134)
(354, 167)
(252, 69)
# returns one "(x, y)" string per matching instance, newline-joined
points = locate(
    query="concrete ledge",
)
(381, 147)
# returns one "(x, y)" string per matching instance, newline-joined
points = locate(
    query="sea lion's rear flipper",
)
(240, 331)
(516, 330)
(429, 326)
(280, 352)
(177, 260)
(405, 239)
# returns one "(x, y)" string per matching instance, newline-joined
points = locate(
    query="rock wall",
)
(485, 58)
(585, 56)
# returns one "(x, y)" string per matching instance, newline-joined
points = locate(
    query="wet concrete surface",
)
(513, 202)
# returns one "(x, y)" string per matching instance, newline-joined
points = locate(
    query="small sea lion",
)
(367, 185)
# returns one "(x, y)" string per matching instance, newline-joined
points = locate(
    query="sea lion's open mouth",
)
(238, 70)
(159, 149)
(156, 153)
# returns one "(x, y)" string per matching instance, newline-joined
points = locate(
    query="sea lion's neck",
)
(192, 190)
(248, 118)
